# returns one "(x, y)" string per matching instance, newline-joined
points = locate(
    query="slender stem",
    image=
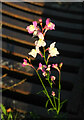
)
(59, 93)
(55, 102)
(48, 79)
(46, 61)
(44, 88)
(48, 58)
(44, 56)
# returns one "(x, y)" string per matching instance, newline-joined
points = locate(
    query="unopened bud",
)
(40, 20)
(53, 93)
(9, 110)
(60, 65)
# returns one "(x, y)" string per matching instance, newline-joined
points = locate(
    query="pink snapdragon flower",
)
(53, 78)
(44, 74)
(49, 24)
(25, 63)
(53, 93)
(42, 67)
(56, 67)
(32, 28)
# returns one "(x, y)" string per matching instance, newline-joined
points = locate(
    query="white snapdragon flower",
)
(40, 42)
(41, 36)
(34, 52)
(52, 50)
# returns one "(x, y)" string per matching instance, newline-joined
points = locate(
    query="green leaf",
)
(61, 106)
(54, 97)
(2, 117)
(46, 78)
(15, 116)
(44, 92)
(63, 102)
(10, 116)
(50, 109)
(40, 92)
(3, 109)
(46, 103)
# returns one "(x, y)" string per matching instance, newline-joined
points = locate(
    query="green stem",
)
(45, 58)
(55, 102)
(48, 79)
(44, 88)
(59, 93)
(46, 61)
(15, 116)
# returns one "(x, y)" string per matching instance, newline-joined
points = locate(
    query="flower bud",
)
(40, 20)
(53, 93)
(9, 110)
(60, 65)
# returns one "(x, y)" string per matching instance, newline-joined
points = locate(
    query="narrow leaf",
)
(44, 92)
(2, 117)
(50, 109)
(63, 102)
(3, 109)
(10, 116)
(56, 98)
(40, 92)
(46, 103)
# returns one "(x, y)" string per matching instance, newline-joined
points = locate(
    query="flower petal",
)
(49, 24)
(52, 50)
(40, 35)
(52, 45)
(53, 78)
(33, 53)
(40, 43)
(34, 23)
(30, 28)
(24, 63)
(40, 66)
(47, 21)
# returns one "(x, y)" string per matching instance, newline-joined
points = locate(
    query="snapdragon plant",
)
(46, 54)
